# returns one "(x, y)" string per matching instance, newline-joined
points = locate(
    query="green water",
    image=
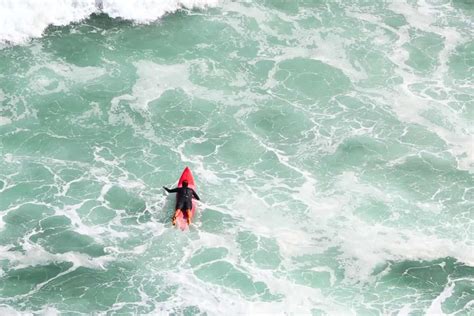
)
(331, 142)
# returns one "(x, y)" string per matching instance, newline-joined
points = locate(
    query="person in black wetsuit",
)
(184, 200)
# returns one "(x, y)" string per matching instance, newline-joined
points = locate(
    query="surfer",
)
(184, 200)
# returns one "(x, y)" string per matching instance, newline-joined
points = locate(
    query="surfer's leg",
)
(174, 216)
(188, 213)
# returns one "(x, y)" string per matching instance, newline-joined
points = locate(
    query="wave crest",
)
(26, 19)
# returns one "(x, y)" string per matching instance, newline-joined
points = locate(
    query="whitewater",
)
(332, 143)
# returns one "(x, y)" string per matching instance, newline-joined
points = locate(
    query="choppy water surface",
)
(331, 141)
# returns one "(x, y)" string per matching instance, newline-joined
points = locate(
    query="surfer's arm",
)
(195, 195)
(171, 190)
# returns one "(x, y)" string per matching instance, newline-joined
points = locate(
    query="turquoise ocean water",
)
(331, 142)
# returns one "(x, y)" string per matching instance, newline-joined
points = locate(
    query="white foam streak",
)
(377, 244)
(435, 307)
(166, 77)
(9, 311)
(367, 245)
(3, 119)
(216, 300)
(35, 255)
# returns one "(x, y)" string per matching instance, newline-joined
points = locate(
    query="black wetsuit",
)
(184, 199)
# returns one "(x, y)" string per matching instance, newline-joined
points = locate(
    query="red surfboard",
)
(181, 218)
